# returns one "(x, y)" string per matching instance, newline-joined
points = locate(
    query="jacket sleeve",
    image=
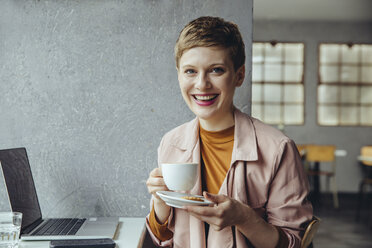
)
(157, 241)
(288, 207)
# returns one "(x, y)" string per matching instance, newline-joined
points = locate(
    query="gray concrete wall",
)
(89, 87)
(350, 139)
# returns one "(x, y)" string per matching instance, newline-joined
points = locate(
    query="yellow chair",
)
(365, 152)
(323, 154)
(310, 232)
(301, 149)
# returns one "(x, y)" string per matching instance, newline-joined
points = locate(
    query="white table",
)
(128, 235)
(361, 158)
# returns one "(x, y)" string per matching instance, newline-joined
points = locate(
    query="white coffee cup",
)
(180, 176)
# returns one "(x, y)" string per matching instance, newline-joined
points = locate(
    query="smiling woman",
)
(208, 80)
(249, 171)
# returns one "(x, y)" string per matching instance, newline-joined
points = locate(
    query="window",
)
(345, 85)
(277, 82)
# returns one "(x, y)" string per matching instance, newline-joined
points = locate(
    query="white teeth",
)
(205, 98)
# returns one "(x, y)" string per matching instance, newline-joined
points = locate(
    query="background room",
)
(329, 102)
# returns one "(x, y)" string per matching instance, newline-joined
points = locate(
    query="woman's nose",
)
(202, 82)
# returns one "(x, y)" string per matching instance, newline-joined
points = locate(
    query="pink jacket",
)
(266, 173)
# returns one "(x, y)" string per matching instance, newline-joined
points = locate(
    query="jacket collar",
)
(245, 140)
(188, 138)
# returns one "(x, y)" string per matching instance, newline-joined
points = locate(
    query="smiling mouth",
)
(205, 98)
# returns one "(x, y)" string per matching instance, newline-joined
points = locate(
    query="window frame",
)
(340, 84)
(282, 83)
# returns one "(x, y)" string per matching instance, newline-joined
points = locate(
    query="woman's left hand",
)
(225, 212)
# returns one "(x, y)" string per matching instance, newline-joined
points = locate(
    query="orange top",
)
(216, 150)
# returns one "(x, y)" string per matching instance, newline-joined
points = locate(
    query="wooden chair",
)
(323, 154)
(365, 151)
(310, 232)
(302, 151)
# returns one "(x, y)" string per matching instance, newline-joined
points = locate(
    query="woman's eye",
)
(218, 70)
(189, 71)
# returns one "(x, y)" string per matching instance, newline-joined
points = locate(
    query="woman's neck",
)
(219, 123)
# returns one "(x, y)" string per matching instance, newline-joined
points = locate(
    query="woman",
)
(251, 171)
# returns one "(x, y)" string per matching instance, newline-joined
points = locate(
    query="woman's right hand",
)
(155, 183)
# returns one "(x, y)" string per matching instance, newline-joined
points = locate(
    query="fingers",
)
(155, 179)
(156, 173)
(155, 182)
(208, 216)
(201, 210)
(215, 198)
(198, 214)
(218, 216)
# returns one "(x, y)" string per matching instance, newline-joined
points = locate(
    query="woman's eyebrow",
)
(210, 65)
(218, 64)
(187, 65)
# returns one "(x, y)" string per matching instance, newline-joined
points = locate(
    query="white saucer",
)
(174, 199)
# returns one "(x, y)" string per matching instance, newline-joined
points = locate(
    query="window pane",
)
(272, 93)
(366, 115)
(293, 114)
(349, 94)
(273, 53)
(328, 115)
(350, 54)
(294, 53)
(273, 73)
(349, 74)
(272, 114)
(328, 74)
(345, 75)
(366, 54)
(366, 74)
(256, 111)
(293, 73)
(256, 92)
(366, 94)
(349, 116)
(257, 73)
(327, 94)
(293, 93)
(257, 53)
(329, 53)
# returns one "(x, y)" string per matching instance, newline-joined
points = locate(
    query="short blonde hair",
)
(209, 31)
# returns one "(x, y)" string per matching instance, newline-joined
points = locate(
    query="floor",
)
(339, 229)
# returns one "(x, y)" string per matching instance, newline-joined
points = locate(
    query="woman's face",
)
(208, 80)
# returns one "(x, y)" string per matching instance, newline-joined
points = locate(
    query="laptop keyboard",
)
(59, 227)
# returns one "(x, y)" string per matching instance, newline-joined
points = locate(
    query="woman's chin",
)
(204, 115)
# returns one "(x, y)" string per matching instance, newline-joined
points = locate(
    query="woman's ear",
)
(240, 75)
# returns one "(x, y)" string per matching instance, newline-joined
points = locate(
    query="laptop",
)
(23, 198)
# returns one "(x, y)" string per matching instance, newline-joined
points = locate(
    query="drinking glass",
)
(10, 227)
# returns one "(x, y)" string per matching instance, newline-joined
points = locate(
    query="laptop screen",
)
(20, 184)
